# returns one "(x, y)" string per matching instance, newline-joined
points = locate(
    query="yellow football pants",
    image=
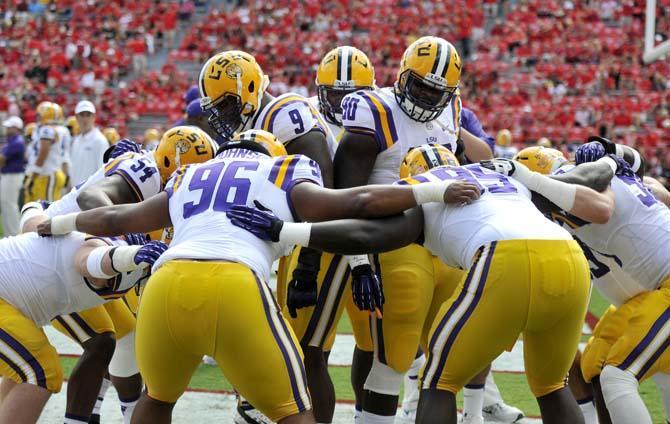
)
(44, 187)
(221, 309)
(26, 356)
(539, 288)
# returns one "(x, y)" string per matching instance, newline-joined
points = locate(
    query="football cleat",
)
(247, 414)
(471, 419)
(502, 413)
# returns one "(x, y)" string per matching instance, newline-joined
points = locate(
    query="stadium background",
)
(556, 69)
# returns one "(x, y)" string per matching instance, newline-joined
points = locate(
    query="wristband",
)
(430, 192)
(123, 258)
(94, 262)
(357, 260)
(296, 233)
(618, 150)
(610, 162)
(64, 224)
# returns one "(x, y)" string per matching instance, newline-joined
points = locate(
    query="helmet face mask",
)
(421, 100)
(226, 116)
(330, 101)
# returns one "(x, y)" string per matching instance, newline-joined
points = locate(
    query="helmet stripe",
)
(448, 60)
(345, 64)
(441, 63)
(438, 56)
(339, 64)
(432, 160)
(350, 59)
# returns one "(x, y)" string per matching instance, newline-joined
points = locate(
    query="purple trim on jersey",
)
(401, 182)
(273, 114)
(378, 131)
(32, 362)
(328, 280)
(646, 341)
(361, 130)
(13, 366)
(389, 117)
(274, 173)
(288, 177)
(275, 334)
(113, 168)
(131, 183)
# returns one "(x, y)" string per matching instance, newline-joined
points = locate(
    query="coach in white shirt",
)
(88, 147)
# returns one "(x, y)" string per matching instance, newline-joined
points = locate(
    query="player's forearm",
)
(355, 157)
(476, 149)
(596, 175)
(92, 198)
(592, 206)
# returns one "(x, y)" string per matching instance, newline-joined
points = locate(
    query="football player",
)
(381, 125)
(233, 91)
(112, 135)
(151, 138)
(272, 377)
(504, 148)
(65, 138)
(629, 343)
(471, 235)
(72, 125)
(45, 157)
(128, 178)
(46, 277)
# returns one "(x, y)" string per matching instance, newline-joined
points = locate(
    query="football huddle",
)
(377, 201)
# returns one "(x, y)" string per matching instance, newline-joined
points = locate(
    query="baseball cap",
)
(84, 106)
(194, 109)
(13, 122)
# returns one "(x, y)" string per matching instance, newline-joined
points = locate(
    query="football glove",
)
(608, 145)
(302, 289)
(124, 146)
(260, 221)
(366, 288)
(135, 239)
(589, 152)
(149, 253)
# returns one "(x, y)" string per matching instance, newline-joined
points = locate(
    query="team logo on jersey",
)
(431, 139)
(233, 70)
(183, 146)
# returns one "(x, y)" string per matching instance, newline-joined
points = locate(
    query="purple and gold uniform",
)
(209, 294)
(511, 254)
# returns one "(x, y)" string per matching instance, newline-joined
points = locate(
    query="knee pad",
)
(123, 363)
(594, 357)
(383, 379)
(616, 383)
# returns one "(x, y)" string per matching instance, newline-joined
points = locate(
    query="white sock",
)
(370, 418)
(662, 381)
(127, 408)
(588, 410)
(473, 400)
(410, 399)
(491, 392)
(73, 419)
(101, 396)
(620, 390)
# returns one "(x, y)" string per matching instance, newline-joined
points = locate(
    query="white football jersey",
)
(376, 113)
(65, 143)
(201, 194)
(38, 276)
(55, 156)
(506, 152)
(290, 116)
(503, 212)
(139, 170)
(636, 236)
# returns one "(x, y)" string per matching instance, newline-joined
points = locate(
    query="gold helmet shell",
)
(182, 145)
(265, 139)
(425, 157)
(112, 135)
(504, 138)
(541, 159)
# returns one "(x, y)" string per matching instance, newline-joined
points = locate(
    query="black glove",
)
(302, 289)
(366, 288)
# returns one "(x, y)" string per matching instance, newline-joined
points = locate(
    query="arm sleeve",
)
(366, 112)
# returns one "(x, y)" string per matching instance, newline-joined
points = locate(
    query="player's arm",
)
(112, 190)
(476, 149)
(597, 147)
(45, 147)
(661, 193)
(149, 215)
(314, 145)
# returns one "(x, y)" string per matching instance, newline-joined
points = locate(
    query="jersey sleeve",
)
(175, 180)
(139, 172)
(365, 112)
(290, 118)
(287, 171)
(48, 133)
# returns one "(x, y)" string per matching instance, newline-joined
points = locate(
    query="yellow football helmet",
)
(72, 125)
(151, 134)
(428, 78)
(266, 139)
(544, 142)
(28, 131)
(49, 113)
(232, 85)
(112, 135)
(541, 159)
(182, 145)
(427, 156)
(342, 70)
(504, 138)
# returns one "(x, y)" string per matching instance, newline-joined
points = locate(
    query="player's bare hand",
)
(44, 228)
(461, 193)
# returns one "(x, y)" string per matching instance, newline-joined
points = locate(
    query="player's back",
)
(637, 233)
(377, 113)
(137, 169)
(200, 195)
(503, 212)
